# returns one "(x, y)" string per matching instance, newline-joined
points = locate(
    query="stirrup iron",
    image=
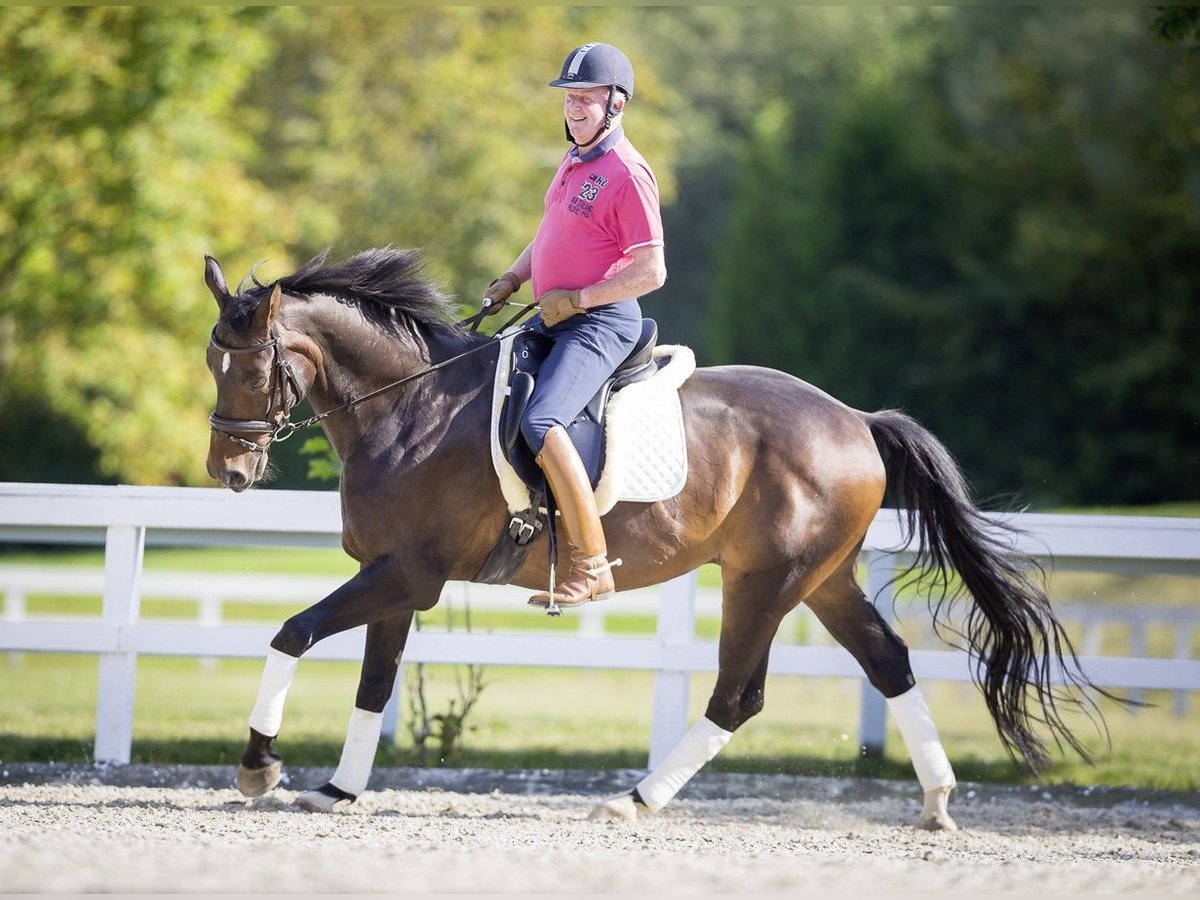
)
(552, 608)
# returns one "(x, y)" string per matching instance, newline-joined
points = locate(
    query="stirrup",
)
(550, 602)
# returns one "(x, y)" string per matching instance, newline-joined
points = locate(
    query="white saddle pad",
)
(645, 454)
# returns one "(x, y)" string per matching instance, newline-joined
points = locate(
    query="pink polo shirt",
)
(598, 211)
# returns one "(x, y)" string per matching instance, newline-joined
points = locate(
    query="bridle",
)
(285, 391)
(284, 394)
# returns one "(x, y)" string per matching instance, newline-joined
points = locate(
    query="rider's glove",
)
(559, 305)
(499, 291)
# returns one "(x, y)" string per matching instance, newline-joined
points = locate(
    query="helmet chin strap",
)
(608, 117)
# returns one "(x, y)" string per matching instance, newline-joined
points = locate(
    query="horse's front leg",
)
(375, 593)
(381, 661)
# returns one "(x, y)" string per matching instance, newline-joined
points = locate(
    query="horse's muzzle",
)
(237, 473)
(235, 481)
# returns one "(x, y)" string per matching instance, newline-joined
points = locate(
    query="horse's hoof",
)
(934, 816)
(621, 808)
(256, 782)
(325, 799)
(936, 823)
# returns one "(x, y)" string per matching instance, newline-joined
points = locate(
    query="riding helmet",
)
(596, 65)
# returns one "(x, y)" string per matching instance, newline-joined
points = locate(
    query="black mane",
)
(386, 284)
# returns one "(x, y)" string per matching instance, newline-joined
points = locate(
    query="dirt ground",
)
(70, 829)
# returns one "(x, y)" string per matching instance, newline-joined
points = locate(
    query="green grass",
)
(293, 560)
(192, 711)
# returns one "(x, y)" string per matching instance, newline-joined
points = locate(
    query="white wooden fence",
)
(124, 519)
(203, 597)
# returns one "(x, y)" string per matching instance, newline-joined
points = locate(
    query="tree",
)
(429, 126)
(1081, 345)
(993, 239)
(1178, 25)
(136, 140)
(120, 136)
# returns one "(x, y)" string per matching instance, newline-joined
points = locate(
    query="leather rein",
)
(285, 391)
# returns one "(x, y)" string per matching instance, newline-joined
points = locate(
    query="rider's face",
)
(584, 110)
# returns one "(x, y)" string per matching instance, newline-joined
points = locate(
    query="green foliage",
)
(993, 241)
(137, 139)
(119, 134)
(1178, 25)
(421, 126)
(323, 464)
(986, 216)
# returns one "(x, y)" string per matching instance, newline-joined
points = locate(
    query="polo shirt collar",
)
(614, 137)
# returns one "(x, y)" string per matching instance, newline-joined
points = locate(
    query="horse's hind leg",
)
(381, 660)
(752, 608)
(844, 610)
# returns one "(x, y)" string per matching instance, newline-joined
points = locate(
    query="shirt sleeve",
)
(637, 218)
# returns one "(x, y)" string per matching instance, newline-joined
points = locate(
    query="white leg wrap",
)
(267, 715)
(921, 738)
(358, 753)
(689, 756)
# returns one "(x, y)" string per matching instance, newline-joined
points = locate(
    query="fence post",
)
(1183, 650)
(14, 604)
(1137, 648)
(14, 611)
(591, 620)
(872, 723)
(676, 625)
(209, 616)
(123, 551)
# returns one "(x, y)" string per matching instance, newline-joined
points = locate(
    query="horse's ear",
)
(265, 313)
(215, 279)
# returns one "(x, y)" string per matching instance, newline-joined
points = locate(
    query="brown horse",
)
(783, 482)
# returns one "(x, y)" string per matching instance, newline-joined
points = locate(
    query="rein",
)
(285, 384)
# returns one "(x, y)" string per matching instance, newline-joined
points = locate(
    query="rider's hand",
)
(558, 306)
(499, 291)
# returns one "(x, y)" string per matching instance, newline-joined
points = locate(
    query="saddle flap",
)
(520, 389)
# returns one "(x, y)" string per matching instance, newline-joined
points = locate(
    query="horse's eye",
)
(258, 384)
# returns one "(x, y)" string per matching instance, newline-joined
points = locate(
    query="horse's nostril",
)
(232, 479)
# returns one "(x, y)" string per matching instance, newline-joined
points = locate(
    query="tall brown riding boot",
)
(590, 577)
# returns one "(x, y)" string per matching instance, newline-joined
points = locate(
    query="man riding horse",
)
(599, 248)
(783, 506)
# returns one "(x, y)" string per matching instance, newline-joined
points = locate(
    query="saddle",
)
(528, 517)
(586, 431)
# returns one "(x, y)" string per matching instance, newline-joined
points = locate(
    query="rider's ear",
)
(215, 279)
(264, 315)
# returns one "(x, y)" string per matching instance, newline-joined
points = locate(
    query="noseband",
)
(285, 394)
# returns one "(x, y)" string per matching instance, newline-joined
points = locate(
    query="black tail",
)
(1025, 664)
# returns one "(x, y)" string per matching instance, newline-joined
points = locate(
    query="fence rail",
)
(125, 519)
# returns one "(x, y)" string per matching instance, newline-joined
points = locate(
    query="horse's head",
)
(256, 382)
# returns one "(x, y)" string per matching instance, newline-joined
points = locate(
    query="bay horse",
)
(783, 482)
